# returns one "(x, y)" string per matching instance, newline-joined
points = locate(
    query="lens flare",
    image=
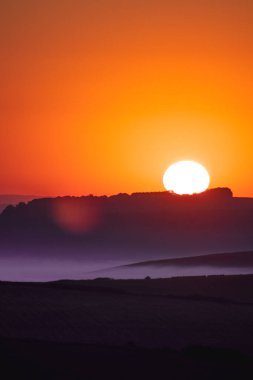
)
(77, 216)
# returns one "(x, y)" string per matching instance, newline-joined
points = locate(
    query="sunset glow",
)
(97, 97)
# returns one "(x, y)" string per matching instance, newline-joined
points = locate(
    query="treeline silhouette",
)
(158, 220)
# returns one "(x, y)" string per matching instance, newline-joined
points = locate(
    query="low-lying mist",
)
(40, 270)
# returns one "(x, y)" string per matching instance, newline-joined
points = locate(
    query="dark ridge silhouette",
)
(230, 259)
(232, 288)
(142, 222)
(14, 199)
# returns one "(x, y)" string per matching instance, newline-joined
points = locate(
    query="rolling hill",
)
(229, 259)
(136, 227)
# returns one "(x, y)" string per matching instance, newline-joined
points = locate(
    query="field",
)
(178, 320)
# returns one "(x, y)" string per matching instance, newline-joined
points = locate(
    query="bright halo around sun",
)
(186, 177)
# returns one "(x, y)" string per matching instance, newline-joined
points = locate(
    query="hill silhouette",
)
(14, 199)
(228, 259)
(160, 222)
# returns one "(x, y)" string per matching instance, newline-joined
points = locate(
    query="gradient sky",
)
(101, 96)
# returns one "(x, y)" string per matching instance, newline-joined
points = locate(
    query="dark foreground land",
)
(179, 328)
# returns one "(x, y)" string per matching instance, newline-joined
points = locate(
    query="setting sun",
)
(186, 177)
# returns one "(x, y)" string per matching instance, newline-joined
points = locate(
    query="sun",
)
(186, 177)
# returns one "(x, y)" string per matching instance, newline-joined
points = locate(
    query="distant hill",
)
(140, 225)
(13, 199)
(231, 259)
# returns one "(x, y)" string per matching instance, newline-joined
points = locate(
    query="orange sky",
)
(102, 96)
